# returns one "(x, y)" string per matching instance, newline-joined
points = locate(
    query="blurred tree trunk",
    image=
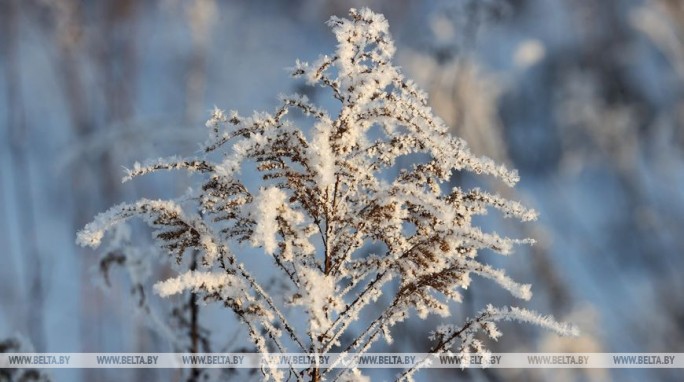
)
(101, 34)
(18, 139)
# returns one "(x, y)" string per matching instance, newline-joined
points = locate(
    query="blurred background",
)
(584, 97)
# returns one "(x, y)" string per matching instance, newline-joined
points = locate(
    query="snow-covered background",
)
(584, 97)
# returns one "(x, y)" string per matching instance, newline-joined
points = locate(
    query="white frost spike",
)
(322, 157)
(319, 298)
(91, 235)
(521, 291)
(267, 205)
(524, 315)
(218, 117)
(226, 285)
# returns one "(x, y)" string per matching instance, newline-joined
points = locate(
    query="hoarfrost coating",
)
(323, 197)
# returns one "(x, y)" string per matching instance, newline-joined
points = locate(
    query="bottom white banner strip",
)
(338, 360)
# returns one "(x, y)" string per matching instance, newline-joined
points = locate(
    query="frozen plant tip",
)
(325, 193)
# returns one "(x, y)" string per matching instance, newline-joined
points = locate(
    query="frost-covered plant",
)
(326, 193)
